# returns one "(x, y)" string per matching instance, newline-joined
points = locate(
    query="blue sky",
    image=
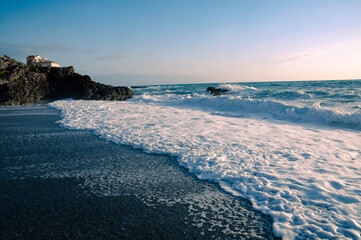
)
(160, 42)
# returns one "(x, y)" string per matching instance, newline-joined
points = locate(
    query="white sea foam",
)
(239, 106)
(243, 91)
(306, 177)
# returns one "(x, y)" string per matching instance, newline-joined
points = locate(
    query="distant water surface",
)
(292, 148)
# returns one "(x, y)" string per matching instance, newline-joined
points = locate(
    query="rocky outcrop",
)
(21, 84)
(217, 91)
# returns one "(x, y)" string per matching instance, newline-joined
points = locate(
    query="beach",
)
(58, 183)
(291, 148)
(180, 120)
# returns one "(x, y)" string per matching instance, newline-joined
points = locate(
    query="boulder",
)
(217, 91)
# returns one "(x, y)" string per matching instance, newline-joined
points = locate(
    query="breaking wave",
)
(239, 106)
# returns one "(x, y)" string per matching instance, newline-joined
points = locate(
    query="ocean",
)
(292, 148)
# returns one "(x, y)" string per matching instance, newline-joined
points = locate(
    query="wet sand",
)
(57, 183)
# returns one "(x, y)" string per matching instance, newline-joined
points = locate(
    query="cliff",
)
(21, 84)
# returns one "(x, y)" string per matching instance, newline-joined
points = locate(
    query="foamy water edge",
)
(242, 168)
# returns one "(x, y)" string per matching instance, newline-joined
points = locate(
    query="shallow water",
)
(292, 149)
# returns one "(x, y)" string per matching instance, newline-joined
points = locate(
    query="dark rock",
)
(138, 86)
(21, 84)
(217, 91)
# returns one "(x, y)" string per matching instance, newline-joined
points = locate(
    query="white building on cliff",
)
(42, 62)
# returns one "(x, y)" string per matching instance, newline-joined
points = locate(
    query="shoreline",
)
(59, 183)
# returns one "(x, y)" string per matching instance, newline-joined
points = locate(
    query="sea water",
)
(292, 148)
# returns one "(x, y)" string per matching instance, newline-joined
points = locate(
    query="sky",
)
(188, 41)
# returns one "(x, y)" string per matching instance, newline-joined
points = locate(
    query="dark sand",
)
(57, 183)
